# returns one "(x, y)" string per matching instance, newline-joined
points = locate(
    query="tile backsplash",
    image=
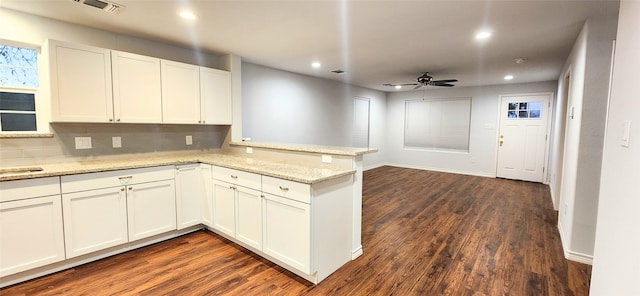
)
(135, 138)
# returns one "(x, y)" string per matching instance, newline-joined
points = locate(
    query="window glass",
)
(524, 110)
(18, 67)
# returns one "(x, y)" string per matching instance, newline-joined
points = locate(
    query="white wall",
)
(589, 64)
(616, 267)
(481, 159)
(285, 107)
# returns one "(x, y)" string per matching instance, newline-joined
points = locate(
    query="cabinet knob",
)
(203, 121)
(261, 195)
(130, 188)
(118, 120)
(234, 177)
(122, 189)
(110, 119)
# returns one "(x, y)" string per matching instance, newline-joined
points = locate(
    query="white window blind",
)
(439, 124)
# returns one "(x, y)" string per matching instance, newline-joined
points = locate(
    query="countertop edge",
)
(333, 150)
(128, 165)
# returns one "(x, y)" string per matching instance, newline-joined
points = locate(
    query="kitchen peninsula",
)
(298, 206)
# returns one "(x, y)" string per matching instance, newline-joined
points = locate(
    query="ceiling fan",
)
(424, 80)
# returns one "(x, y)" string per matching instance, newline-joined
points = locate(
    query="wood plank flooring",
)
(424, 233)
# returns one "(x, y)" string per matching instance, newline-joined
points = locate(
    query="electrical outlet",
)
(326, 159)
(116, 142)
(249, 150)
(189, 140)
(83, 142)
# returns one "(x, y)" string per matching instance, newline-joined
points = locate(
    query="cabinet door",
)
(224, 207)
(287, 231)
(94, 220)
(151, 208)
(136, 88)
(180, 92)
(31, 234)
(215, 96)
(80, 83)
(249, 217)
(189, 189)
(207, 194)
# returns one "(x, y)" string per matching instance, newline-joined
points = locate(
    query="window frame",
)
(42, 104)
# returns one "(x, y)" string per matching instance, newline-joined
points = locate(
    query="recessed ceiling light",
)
(483, 35)
(508, 77)
(315, 65)
(398, 86)
(187, 15)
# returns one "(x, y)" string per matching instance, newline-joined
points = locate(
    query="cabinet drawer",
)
(285, 188)
(82, 182)
(241, 178)
(29, 188)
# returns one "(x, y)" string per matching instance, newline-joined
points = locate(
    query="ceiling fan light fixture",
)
(398, 86)
(316, 65)
(508, 77)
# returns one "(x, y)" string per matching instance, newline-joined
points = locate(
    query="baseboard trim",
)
(571, 255)
(426, 168)
(356, 253)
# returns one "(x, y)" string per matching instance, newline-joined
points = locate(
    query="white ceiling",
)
(375, 42)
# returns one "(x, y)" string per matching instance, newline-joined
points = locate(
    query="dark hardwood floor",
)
(424, 233)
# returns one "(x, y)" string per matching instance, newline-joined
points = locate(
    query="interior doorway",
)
(361, 108)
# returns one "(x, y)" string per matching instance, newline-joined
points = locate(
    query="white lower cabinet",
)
(31, 233)
(151, 209)
(287, 231)
(103, 210)
(189, 191)
(224, 208)
(249, 217)
(207, 194)
(94, 220)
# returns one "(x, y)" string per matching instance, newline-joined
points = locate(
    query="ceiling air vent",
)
(107, 6)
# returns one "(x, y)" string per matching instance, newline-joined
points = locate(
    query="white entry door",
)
(522, 141)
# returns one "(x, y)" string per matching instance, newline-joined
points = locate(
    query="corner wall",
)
(285, 107)
(589, 64)
(616, 266)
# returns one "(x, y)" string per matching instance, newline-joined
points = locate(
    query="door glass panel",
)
(524, 110)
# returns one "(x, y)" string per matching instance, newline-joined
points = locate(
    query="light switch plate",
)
(326, 158)
(189, 140)
(116, 142)
(83, 142)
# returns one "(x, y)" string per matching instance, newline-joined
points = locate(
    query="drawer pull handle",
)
(122, 189)
(124, 178)
(234, 177)
(284, 188)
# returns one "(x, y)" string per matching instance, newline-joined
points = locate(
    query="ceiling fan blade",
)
(443, 84)
(403, 84)
(389, 84)
(445, 81)
(419, 86)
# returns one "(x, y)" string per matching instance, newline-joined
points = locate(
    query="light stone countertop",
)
(333, 150)
(275, 168)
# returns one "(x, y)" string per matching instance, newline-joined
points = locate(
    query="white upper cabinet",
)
(180, 92)
(137, 96)
(215, 95)
(92, 84)
(80, 83)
